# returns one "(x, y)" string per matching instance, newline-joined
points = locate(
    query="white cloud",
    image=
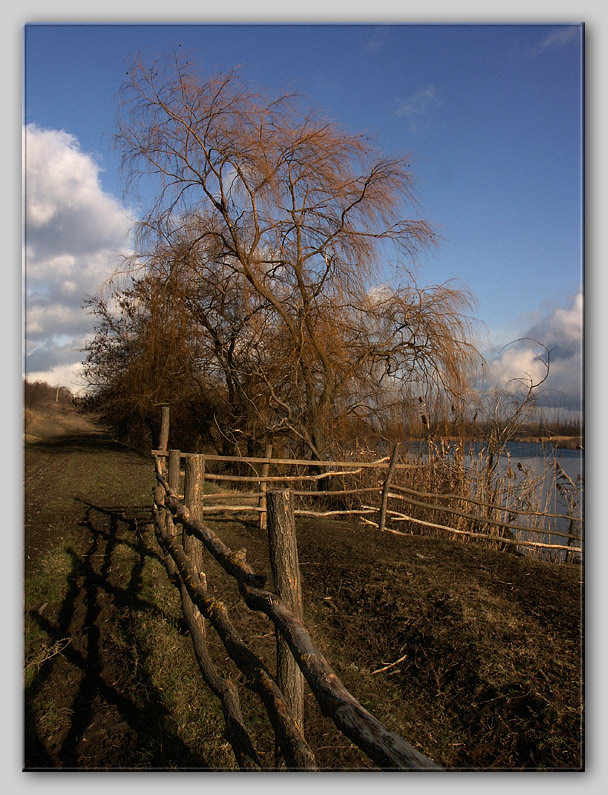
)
(74, 237)
(419, 103)
(559, 37)
(69, 375)
(377, 39)
(556, 37)
(561, 331)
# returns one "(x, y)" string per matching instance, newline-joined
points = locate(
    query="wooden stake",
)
(286, 573)
(163, 438)
(174, 470)
(386, 487)
(173, 478)
(264, 488)
(194, 471)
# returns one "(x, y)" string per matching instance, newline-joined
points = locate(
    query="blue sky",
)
(491, 116)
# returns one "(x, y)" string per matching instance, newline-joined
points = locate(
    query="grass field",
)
(490, 643)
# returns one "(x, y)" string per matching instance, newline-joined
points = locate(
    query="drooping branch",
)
(268, 227)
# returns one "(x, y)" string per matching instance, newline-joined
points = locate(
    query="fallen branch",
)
(390, 665)
(48, 654)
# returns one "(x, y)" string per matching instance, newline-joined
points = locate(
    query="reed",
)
(476, 484)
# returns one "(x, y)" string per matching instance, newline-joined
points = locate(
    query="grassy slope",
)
(491, 643)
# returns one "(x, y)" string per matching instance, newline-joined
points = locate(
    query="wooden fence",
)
(183, 537)
(487, 527)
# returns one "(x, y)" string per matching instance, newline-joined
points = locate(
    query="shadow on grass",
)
(90, 442)
(117, 716)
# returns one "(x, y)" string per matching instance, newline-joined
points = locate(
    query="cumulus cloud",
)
(561, 332)
(74, 236)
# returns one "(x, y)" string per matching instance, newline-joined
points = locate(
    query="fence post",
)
(163, 436)
(569, 557)
(173, 479)
(194, 471)
(264, 488)
(386, 487)
(174, 470)
(286, 573)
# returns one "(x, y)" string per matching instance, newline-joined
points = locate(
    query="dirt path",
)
(70, 461)
(89, 703)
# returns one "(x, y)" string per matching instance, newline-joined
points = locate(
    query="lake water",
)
(540, 464)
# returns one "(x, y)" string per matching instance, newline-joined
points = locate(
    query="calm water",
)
(537, 457)
(532, 460)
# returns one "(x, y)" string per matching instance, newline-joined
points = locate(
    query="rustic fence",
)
(486, 527)
(183, 536)
(179, 512)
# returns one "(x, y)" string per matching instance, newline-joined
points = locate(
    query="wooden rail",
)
(298, 656)
(387, 490)
(476, 518)
(401, 517)
(381, 462)
(383, 746)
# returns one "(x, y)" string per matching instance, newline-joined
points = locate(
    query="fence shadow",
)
(92, 675)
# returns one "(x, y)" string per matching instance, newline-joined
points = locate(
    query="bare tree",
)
(506, 409)
(274, 222)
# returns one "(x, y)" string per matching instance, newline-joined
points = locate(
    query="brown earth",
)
(489, 644)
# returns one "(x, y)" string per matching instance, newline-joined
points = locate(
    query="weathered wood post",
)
(174, 470)
(163, 436)
(386, 487)
(194, 477)
(173, 479)
(569, 557)
(264, 488)
(286, 573)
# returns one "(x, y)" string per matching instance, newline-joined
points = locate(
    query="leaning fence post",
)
(286, 573)
(386, 487)
(264, 488)
(194, 477)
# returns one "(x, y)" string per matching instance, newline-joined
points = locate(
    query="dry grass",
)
(453, 469)
(480, 650)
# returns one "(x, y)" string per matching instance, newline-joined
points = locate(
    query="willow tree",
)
(282, 219)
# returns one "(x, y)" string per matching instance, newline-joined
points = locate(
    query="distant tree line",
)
(37, 394)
